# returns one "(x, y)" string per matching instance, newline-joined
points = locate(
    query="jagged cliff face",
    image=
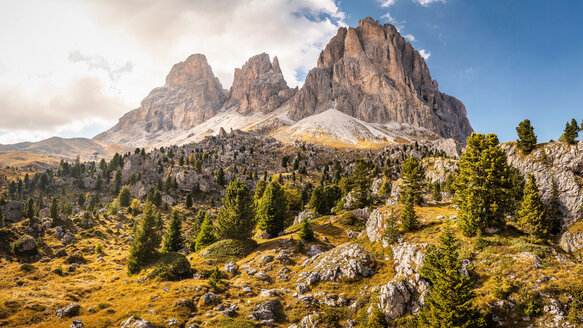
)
(370, 87)
(191, 95)
(259, 86)
(372, 73)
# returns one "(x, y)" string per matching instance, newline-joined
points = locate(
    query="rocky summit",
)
(370, 87)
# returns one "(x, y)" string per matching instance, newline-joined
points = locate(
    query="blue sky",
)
(507, 60)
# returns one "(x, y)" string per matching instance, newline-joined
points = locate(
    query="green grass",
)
(229, 249)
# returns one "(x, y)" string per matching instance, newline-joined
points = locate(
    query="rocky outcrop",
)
(571, 241)
(191, 95)
(559, 162)
(375, 225)
(347, 261)
(13, 211)
(372, 73)
(258, 86)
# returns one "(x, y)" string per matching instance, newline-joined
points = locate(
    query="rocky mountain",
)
(191, 95)
(372, 73)
(366, 76)
(67, 148)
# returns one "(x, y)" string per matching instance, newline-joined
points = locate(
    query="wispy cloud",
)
(410, 37)
(386, 3)
(425, 54)
(426, 3)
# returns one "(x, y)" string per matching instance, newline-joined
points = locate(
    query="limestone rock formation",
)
(558, 161)
(191, 95)
(258, 86)
(373, 74)
(347, 261)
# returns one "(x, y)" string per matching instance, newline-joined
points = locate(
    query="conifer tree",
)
(409, 217)
(2, 218)
(526, 137)
(273, 209)
(146, 241)
(436, 191)
(29, 208)
(318, 201)
(125, 196)
(206, 236)
(197, 222)
(81, 199)
(306, 232)
(571, 132)
(386, 187)
(157, 198)
(449, 302)
(259, 190)
(236, 219)
(173, 239)
(188, 201)
(413, 175)
(554, 209)
(54, 209)
(486, 187)
(361, 181)
(391, 233)
(532, 216)
(221, 177)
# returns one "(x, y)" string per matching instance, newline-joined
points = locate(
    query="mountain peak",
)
(258, 86)
(195, 67)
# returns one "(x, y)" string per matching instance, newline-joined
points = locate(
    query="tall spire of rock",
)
(258, 86)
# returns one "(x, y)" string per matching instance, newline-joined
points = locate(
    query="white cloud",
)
(74, 62)
(386, 3)
(410, 37)
(425, 54)
(426, 3)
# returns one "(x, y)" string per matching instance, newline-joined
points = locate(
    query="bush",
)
(529, 306)
(234, 323)
(27, 267)
(99, 248)
(172, 266)
(229, 249)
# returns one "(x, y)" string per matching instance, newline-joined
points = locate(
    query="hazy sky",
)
(73, 67)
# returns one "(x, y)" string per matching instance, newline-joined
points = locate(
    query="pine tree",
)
(361, 181)
(221, 177)
(409, 217)
(526, 138)
(29, 208)
(413, 175)
(571, 132)
(449, 302)
(173, 239)
(532, 216)
(81, 200)
(306, 232)
(259, 190)
(54, 209)
(236, 219)
(391, 233)
(188, 201)
(2, 218)
(436, 191)
(125, 196)
(206, 236)
(146, 241)
(386, 187)
(318, 200)
(273, 209)
(486, 187)
(554, 209)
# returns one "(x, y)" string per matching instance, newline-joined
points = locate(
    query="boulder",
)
(347, 261)
(571, 241)
(68, 311)
(132, 322)
(24, 245)
(13, 211)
